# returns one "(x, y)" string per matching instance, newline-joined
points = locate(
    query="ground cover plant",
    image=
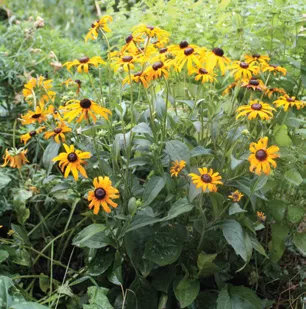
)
(146, 166)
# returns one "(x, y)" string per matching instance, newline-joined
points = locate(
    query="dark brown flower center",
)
(261, 155)
(183, 44)
(127, 58)
(151, 27)
(218, 51)
(202, 71)
(206, 178)
(84, 59)
(78, 82)
(93, 24)
(72, 157)
(256, 106)
(254, 82)
(85, 103)
(157, 65)
(57, 130)
(100, 193)
(137, 74)
(188, 51)
(163, 50)
(244, 65)
(290, 100)
(129, 39)
(36, 116)
(32, 133)
(235, 196)
(256, 56)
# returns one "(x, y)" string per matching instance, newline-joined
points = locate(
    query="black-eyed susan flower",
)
(70, 82)
(126, 62)
(188, 56)
(236, 196)
(254, 84)
(39, 89)
(206, 180)
(102, 195)
(58, 132)
(26, 137)
(96, 25)
(39, 115)
(157, 70)
(71, 161)
(287, 102)
(16, 158)
(216, 58)
(132, 43)
(138, 77)
(257, 58)
(261, 216)
(255, 108)
(161, 36)
(275, 69)
(271, 91)
(262, 157)
(229, 88)
(84, 108)
(243, 70)
(177, 167)
(203, 75)
(84, 63)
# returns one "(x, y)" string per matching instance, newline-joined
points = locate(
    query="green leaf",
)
(141, 221)
(217, 200)
(235, 162)
(295, 214)
(50, 152)
(186, 290)
(179, 207)
(28, 305)
(44, 283)
(223, 4)
(152, 189)
(235, 209)
(206, 265)
(142, 127)
(19, 201)
(177, 150)
(162, 278)
(293, 177)
(92, 236)
(277, 208)
(200, 151)
(238, 297)
(281, 136)
(3, 255)
(100, 263)
(299, 240)
(98, 299)
(4, 180)
(233, 233)
(257, 246)
(280, 233)
(21, 257)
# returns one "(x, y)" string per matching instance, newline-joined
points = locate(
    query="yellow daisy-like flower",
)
(103, 195)
(256, 58)
(254, 109)
(84, 63)
(262, 157)
(71, 161)
(206, 180)
(229, 88)
(138, 77)
(177, 167)
(271, 91)
(203, 75)
(287, 102)
(275, 69)
(189, 56)
(96, 25)
(25, 137)
(39, 115)
(157, 70)
(15, 157)
(131, 43)
(39, 88)
(254, 84)
(71, 82)
(243, 70)
(162, 36)
(261, 216)
(58, 132)
(126, 62)
(236, 196)
(216, 58)
(84, 108)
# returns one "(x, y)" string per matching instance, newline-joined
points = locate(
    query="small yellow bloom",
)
(157, 70)
(287, 102)
(58, 132)
(261, 216)
(96, 25)
(152, 32)
(131, 43)
(39, 115)
(138, 77)
(10, 232)
(102, 195)
(15, 157)
(236, 196)
(177, 167)
(216, 58)
(257, 58)
(243, 70)
(203, 75)
(271, 91)
(71, 82)
(229, 88)
(254, 84)
(254, 109)
(126, 62)
(84, 63)
(71, 161)
(262, 157)
(25, 137)
(206, 180)
(275, 69)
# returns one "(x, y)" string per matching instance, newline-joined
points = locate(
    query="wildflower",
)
(15, 157)
(287, 102)
(72, 82)
(229, 88)
(102, 195)
(126, 62)
(254, 109)
(202, 74)
(156, 70)
(84, 108)
(96, 25)
(270, 91)
(206, 180)
(216, 58)
(189, 56)
(131, 43)
(39, 115)
(58, 132)
(162, 36)
(84, 62)
(256, 58)
(236, 196)
(138, 77)
(261, 216)
(262, 157)
(25, 137)
(177, 167)
(253, 83)
(275, 69)
(244, 70)
(38, 88)
(71, 161)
